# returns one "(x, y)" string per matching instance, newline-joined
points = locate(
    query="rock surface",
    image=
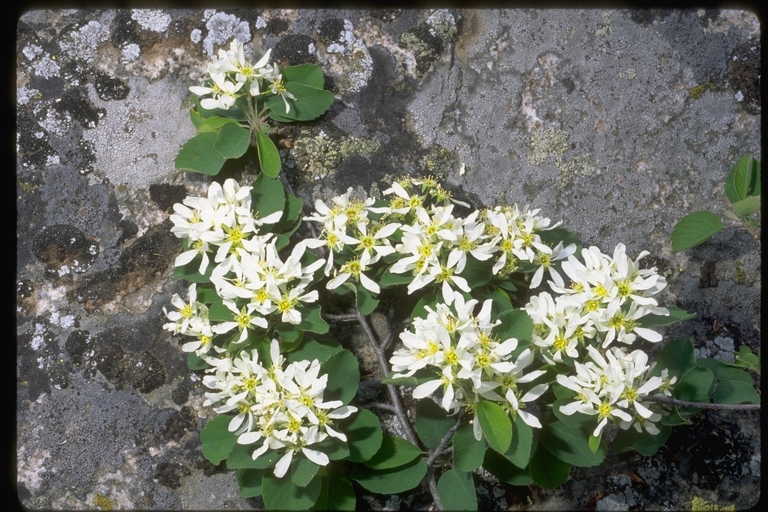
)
(617, 122)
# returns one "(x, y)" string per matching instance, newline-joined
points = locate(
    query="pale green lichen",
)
(103, 502)
(740, 274)
(438, 162)
(698, 91)
(555, 143)
(607, 28)
(551, 142)
(702, 504)
(319, 156)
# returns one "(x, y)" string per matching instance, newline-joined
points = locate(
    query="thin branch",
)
(445, 440)
(397, 403)
(393, 393)
(379, 405)
(700, 405)
(348, 317)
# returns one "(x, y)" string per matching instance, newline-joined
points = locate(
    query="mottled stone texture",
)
(616, 122)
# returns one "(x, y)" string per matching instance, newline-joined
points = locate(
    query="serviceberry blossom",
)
(280, 407)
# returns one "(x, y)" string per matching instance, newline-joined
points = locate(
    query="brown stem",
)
(700, 405)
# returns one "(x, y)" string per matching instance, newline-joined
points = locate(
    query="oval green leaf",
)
(457, 491)
(743, 179)
(547, 470)
(233, 140)
(468, 452)
(336, 491)
(695, 385)
(249, 481)
(571, 444)
(392, 480)
(217, 442)
(500, 467)
(269, 158)
(694, 229)
(283, 494)
(364, 435)
(496, 425)
(735, 392)
(199, 154)
(432, 423)
(343, 376)
(393, 452)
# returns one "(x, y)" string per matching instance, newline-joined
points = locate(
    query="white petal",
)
(283, 464)
(318, 458)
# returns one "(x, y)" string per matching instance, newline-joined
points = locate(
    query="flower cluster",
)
(232, 76)
(349, 228)
(249, 275)
(603, 303)
(469, 360)
(612, 387)
(282, 408)
(417, 225)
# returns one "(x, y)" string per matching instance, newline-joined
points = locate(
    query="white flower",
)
(222, 92)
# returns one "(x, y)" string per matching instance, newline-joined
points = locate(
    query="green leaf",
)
(343, 376)
(249, 481)
(735, 392)
(336, 491)
(694, 229)
(676, 417)
(388, 279)
(743, 179)
(366, 303)
(393, 452)
(302, 470)
(642, 442)
(267, 195)
(283, 494)
(476, 272)
(432, 423)
(233, 140)
(677, 356)
(314, 349)
(241, 457)
(335, 449)
(547, 470)
(468, 452)
(199, 154)
(392, 480)
(515, 323)
(551, 237)
(519, 452)
(675, 315)
(570, 444)
(496, 426)
(269, 158)
(310, 103)
(364, 435)
(195, 362)
(307, 74)
(214, 124)
(723, 371)
(694, 386)
(747, 207)
(217, 442)
(500, 467)
(594, 442)
(312, 321)
(747, 359)
(191, 272)
(457, 490)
